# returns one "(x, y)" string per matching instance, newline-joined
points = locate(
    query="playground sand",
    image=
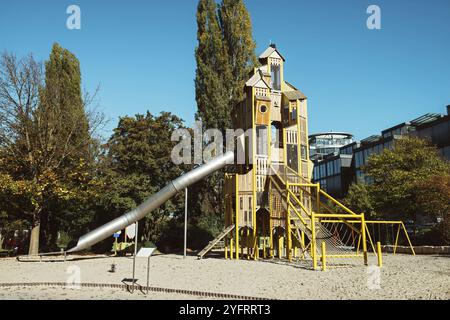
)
(402, 277)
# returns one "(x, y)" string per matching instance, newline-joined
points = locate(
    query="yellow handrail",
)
(298, 214)
(299, 202)
(296, 173)
(336, 202)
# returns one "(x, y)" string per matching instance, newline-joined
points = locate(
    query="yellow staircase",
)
(331, 229)
(212, 243)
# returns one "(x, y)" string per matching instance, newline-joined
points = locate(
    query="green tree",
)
(396, 173)
(237, 34)
(359, 200)
(211, 90)
(45, 141)
(136, 164)
(434, 199)
(410, 180)
(225, 56)
(61, 97)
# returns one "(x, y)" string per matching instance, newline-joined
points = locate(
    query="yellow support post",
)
(271, 253)
(359, 243)
(280, 247)
(370, 239)
(380, 257)
(226, 249)
(255, 168)
(407, 238)
(317, 198)
(313, 228)
(242, 247)
(231, 248)
(324, 262)
(313, 241)
(270, 218)
(236, 222)
(363, 238)
(303, 244)
(247, 242)
(396, 239)
(288, 227)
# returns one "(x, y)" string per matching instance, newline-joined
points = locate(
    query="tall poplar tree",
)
(237, 34)
(225, 56)
(62, 98)
(212, 68)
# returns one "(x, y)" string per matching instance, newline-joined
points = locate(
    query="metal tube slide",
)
(156, 200)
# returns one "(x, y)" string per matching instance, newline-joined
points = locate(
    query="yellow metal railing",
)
(313, 220)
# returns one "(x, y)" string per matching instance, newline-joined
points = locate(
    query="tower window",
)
(277, 134)
(294, 114)
(276, 77)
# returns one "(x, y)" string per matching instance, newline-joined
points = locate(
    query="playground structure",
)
(272, 208)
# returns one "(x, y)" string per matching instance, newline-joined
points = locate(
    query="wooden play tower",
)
(272, 208)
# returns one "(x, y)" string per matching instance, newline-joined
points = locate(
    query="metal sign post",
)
(146, 253)
(135, 252)
(185, 220)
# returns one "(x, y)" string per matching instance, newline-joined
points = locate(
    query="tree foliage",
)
(45, 143)
(224, 56)
(136, 164)
(409, 181)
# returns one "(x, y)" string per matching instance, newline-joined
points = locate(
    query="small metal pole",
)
(380, 258)
(185, 220)
(135, 252)
(148, 272)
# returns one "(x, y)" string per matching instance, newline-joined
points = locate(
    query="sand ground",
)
(402, 277)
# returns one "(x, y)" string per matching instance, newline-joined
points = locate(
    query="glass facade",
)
(328, 167)
(327, 143)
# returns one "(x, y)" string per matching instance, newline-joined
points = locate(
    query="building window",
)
(330, 169)
(337, 166)
(303, 152)
(294, 113)
(276, 77)
(262, 140)
(359, 159)
(276, 135)
(263, 108)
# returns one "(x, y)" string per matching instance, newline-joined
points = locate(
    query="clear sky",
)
(357, 80)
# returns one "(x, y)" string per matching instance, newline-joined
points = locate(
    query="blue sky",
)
(357, 80)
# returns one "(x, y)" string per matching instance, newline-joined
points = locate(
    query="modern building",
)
(332, 154)
(431, 126)
(323, 144)
(336, 171)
